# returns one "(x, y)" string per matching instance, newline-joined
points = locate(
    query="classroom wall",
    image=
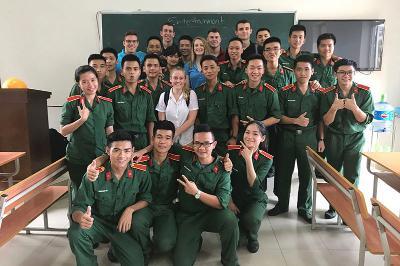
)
(43, 42)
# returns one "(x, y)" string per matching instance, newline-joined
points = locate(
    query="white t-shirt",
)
(177, 112)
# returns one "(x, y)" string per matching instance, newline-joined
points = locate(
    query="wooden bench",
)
(388, 225)
(23, 202)
(349, 203)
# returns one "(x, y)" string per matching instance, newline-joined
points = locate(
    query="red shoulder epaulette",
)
(288, 68)
(144, 158)
(329, 89)
(174, 157)
(363, 87)
(139, 166)
(100, 169)
(73, 98)
(141, 81)
(234, 147)
(188, 148)
(266, 154)
(145, 89)
(104, 98)
(114, 88)
(268, 86)
(166, 82)
(290, 86)
(223, 62)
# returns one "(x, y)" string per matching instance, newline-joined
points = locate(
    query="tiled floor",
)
(284, 239)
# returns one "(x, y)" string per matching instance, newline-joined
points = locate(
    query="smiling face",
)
(198, 47)
(203, 144)
(255, 70)
(326, 48)
(120, 153)
(100, 67)
(296, 39)
(214, 39)
(154, 47)
(235, 50)
(130, 43)
(344, 75)
(111, 61)
(243, 31)
(178, 78)
(210, 69)
(89, 83)
(152, 68)
(303, 72)
(272, 51)
(131, 71)
(252, 136)
(163, 140)
(184, 47)
(167, 33)
(262, 35)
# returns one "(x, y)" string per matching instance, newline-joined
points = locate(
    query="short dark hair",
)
(164, 125)
(120, 135)
(214, 30)
(297, 27)
(151, 56)
(255, 57)
(271, 40)
(263, 130)
(344, 62)
(109, 50)
(208, 57)
(235, 39)
(185, 37)
(304, 58)
(240, 22)
(128, 33)
(83, 69)
(153, 38)
(95, 57)
(263, 29)
(202, 128)
(171, 50)
(129, 58)
(326, 36)
(166, 24)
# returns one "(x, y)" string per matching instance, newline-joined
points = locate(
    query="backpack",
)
(166, 97)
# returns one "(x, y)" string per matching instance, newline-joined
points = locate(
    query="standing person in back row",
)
(130, 43)
(296, 40)
(347, 108)
(243, 31)
(214, 42)
(167, 34)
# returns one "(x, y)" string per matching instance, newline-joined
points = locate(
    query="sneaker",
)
(277, 210)
(330, 214)
(253, 246)
(305, 215)
(111, 257)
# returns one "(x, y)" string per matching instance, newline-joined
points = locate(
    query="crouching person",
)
(106, 209)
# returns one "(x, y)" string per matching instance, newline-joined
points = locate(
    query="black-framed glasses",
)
(206, 145)
(348, 73)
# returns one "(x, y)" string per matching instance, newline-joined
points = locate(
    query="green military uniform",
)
(195, 217)
(259, 103)
(117, 81)
(227, 73)
(292, 142)
(104, 87)
(162, 86)
(109, 197)
(282, 77)
(89, 140)
(287, 61)
(164, 191)
(344, 136)
(251, 201)
(133, 111)
(324, 74)
(216, 109)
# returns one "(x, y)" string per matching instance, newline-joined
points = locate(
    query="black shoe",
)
(330, 214)
(111, 257)
(277, 210)
(305, 215)
(253, 246)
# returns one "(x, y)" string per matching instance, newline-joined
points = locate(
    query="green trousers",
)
(343, 152)
(190, 227)
(250, 217)
(291, 148)
(164, 228)
(126, 249)
(140, 230)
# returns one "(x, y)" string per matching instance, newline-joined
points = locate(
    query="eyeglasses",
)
(206, 145)
(276, 49)
(349, 73)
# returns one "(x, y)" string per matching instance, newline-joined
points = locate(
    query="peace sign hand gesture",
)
(189, 186)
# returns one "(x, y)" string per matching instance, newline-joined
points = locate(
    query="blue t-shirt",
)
(121, 55)
(196, 77)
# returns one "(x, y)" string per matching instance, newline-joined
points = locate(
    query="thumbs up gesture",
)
(302, 120)
(91, 172)
(86, 220)
(228, 165)
(83, 112)
(338, 103)
(350, 104)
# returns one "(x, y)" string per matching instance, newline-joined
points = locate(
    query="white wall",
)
(43, 42)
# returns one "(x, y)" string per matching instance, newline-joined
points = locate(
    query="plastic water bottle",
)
(383, 116)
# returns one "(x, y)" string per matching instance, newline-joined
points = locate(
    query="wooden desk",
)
(390, 161)
(7, 157)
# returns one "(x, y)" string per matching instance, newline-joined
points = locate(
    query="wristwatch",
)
(197, 195)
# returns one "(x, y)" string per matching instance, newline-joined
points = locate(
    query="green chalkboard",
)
(114, 25)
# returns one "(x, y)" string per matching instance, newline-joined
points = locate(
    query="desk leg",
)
(10, 176)
(375, 189)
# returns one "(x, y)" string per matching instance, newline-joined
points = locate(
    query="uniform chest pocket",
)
(130, 195)
(121, 109)
(104, 202)
(241, 101)
(208, 182)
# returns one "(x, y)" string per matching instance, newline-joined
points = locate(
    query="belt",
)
(299, 131)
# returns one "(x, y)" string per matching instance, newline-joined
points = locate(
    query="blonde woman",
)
(179, 105)
(194, 75)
